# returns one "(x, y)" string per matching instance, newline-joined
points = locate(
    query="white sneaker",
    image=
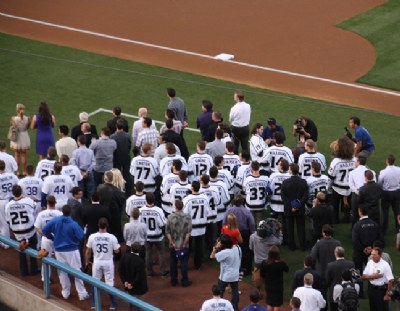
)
(84, 297)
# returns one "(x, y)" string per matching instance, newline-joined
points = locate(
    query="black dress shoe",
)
(186, 284)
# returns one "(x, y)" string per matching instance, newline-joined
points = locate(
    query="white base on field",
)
(224, 56)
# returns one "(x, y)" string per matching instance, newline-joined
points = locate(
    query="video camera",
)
(269, 227)
(394, 294)
(299, 125)
(347, 133)
(355, 276)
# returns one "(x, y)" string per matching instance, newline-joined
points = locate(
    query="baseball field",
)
(327, 60)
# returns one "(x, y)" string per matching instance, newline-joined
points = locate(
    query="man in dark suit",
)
(370, 194)
(77, 131)
(114, 200)
(112, 124)
(321, 214)
(92, 213)
(294, 196)
(298, 278)
(365, 232)
(172, 137)
(122, 158)
(216, 119)
(333, 275)
(132, 272)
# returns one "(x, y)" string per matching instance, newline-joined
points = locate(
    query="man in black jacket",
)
(112, 124)
(370, 194)
(121, 157)
(114, 200)
(309, 267)
(132, 272)
(294, 196)
(365, 232)
(321, 214)
(216, 119)
(333, 275)
(92, 213)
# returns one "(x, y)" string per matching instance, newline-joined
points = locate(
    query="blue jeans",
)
(235, 292)
(87, 185)
(173, 261)
(161, 255)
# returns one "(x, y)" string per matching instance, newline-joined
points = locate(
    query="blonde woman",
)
(23, 143)
(118, 180)
(231, 229)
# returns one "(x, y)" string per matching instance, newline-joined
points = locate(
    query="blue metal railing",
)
(98, 285)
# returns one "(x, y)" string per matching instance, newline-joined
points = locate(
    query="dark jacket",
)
(321, 214)
(91, 215)
(324, 252)
(298, 279)
(122, 153)
(132, 270)
(76, 131)
(112, 124)
(294, 188)
(112, 198)
(333, 275)
(210, 135)
(365, 232)
(369, 195)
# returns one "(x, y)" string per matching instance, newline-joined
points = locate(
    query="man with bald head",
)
(138, 127)
(311, 299)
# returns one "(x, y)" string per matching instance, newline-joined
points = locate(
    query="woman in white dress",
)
(23, 142)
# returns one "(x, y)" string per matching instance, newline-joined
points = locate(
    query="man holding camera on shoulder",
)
(229, 257)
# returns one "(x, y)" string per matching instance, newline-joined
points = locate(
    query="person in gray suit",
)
(333, 275)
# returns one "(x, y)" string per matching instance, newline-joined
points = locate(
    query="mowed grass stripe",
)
(380, 26)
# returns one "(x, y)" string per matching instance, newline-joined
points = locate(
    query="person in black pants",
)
(365, 232)
(294, 196)
(239, 117)
(121, 156)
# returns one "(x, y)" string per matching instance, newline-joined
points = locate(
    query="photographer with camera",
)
(365, 145)
(305, 128)
(229, 257)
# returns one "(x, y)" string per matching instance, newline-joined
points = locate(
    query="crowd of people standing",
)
(244, 189)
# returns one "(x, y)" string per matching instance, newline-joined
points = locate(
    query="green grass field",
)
(72, 81)
(381, 27)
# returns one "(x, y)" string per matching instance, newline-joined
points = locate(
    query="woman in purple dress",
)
(44, 122)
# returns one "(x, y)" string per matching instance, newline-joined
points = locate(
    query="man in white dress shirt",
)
(380, 276)
(138, 127)
(356, 181)
(239, 117)
(311, 299)
(389, 180)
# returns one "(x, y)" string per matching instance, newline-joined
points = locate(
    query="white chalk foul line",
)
(285, 72)
(134, 117)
